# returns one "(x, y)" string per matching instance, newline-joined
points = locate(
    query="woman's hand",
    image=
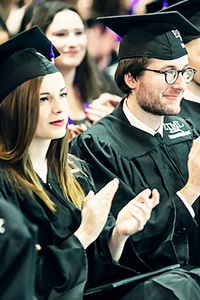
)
(95, 213)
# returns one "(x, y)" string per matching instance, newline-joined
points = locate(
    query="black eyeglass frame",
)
(177, 72)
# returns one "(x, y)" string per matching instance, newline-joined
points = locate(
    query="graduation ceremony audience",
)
(77, 241)
(145, 144)
(92, 219)
(92, 94)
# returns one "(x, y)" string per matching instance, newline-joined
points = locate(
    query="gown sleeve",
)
(17, 253)
(61, 271)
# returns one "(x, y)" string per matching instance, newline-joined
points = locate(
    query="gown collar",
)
(138, 124)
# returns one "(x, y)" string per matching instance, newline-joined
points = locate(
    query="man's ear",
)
(130, 81)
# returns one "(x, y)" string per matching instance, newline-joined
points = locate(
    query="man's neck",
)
(142, 119)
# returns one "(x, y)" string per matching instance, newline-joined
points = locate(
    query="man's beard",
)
(151, 103)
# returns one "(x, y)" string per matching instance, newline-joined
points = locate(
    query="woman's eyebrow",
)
(63, 89)
(45, 93)
(48, 93)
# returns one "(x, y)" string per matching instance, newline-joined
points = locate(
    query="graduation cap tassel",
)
(52, 56)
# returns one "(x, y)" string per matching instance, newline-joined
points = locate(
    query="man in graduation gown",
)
(145, 144)
(17, 253)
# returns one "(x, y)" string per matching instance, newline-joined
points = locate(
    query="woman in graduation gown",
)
(53, 190)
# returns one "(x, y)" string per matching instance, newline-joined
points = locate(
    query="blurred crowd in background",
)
(15, 14)
(93, 96)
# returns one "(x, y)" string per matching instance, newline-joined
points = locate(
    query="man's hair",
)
(134, 66)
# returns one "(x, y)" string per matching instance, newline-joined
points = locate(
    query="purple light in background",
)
(165, 3)
(51, 54)
(131, 6)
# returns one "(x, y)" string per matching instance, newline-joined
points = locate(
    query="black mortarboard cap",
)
(190, 9)
(23, 57)
(155, 35)
(158, 5)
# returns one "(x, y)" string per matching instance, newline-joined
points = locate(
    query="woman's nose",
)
(57, 105)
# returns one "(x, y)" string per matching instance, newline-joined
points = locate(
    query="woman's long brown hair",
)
(19, 113)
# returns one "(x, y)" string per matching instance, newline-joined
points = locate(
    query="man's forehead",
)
(177, 63)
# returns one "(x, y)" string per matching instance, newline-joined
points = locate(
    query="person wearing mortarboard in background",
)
(190, 104)
(145, 144)
(17, 252)
(53, 190)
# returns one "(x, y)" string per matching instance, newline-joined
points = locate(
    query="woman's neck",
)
(37, 153)
(69, 76)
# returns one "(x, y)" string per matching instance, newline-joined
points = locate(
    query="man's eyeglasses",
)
(171, 75)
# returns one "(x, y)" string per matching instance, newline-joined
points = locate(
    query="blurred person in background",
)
(91, 94)
(136, 6)
(15, 17)
(103, 42)
(6, 7)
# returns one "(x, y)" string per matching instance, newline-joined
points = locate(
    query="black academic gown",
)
(62, 265)
(17, 254)
(114, 148)
(191, 110)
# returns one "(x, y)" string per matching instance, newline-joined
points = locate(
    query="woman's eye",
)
(42, 99)
(79, 32)
(60, 34)
(63, 95)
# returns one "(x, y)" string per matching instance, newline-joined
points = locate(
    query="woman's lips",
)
(58, 123)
